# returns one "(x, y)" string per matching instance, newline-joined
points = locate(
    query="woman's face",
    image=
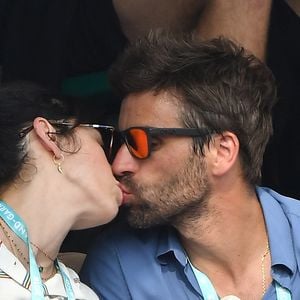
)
(93, 184)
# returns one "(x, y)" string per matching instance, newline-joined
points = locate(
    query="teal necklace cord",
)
(17, 225)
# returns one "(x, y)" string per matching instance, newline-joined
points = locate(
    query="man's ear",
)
(42, 128)
(225, 152)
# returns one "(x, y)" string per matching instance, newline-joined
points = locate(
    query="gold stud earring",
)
(58, 162)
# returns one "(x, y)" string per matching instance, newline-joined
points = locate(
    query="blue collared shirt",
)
(151, 264)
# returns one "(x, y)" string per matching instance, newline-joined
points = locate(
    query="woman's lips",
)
(126, 194)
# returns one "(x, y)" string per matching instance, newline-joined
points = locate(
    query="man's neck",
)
(227, 244)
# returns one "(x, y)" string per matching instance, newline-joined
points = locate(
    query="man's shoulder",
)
(285, 201)
(122, 247)
(120, 235)
(289, 206)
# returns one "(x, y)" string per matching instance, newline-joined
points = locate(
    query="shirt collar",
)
(278, 229)
(13, 267)
(170, 246)
(280, 238)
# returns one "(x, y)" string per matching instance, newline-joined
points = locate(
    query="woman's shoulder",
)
(81, 290)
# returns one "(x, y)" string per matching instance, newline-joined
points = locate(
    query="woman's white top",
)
(15, 280)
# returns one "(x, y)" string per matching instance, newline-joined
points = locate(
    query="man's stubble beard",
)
(181, 199)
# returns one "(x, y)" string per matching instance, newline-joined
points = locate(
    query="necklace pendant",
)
(41, 269)
(230, 297)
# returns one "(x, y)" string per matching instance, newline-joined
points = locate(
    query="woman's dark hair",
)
(20, 104)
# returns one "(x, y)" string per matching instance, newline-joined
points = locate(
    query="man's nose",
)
(124, 162)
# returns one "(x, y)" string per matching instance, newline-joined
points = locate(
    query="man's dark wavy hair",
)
(218, 84)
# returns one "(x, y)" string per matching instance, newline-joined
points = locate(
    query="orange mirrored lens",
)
(138, 142)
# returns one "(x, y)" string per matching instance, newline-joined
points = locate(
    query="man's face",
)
(170, 185)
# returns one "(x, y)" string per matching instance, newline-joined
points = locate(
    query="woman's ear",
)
(226, 150)
(42, 128)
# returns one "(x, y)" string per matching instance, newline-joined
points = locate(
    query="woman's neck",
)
(47, 220)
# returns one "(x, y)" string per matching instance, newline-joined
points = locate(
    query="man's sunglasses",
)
(106, 132)
(139, 139)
